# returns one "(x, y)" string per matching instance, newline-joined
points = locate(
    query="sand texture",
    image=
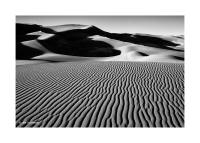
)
(100, 94)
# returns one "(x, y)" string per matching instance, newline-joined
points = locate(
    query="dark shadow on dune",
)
(180, 37)
(82, 33)
(125, 37)
(79, 46)
(72, 42)
(146, 41)
(21, 38)
(23, 29)
(76, 42)
(78, 34)
(154, 42)
(142, 54)
(24, 52)
(178, 58)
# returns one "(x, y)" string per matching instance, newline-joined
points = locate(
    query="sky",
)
(160, 25)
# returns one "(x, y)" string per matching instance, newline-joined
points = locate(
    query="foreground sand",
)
(100, 94)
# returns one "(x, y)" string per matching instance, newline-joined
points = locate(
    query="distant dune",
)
(89, 41)
(105, 94)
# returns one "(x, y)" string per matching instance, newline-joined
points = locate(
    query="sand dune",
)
(135, 52)
(67, 58)
(100, 94)
(90, 41)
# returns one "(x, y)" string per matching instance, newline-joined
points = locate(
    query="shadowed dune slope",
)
(83, 47)
(82, 41)
(23, 29)
(100, 94)
(26, 52)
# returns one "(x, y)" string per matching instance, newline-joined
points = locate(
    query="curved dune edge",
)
(100, 94)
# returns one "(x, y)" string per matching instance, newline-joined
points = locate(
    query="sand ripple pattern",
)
(100, 94)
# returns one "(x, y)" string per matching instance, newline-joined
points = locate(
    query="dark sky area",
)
(161, 25)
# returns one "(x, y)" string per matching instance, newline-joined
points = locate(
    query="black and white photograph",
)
(99, 71)
(104, 71)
